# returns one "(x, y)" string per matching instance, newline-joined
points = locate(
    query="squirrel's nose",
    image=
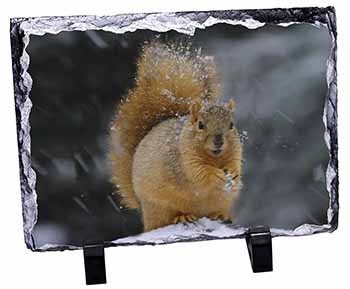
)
(218, 140)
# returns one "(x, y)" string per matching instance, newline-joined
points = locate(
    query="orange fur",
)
(164, 72)
(164, 153)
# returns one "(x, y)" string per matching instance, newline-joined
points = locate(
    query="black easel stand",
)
(94, 260)
(259, 243)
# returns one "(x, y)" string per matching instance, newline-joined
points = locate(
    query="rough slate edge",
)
(162, 22)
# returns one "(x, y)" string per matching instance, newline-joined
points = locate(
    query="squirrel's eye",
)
(200, 125)
(231, 125)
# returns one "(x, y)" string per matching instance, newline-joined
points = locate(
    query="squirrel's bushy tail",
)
(169, 79)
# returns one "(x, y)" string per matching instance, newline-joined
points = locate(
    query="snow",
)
(229, 183)
(203, 228)
(169, 95)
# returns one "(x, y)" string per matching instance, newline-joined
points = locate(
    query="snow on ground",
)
(203, 228)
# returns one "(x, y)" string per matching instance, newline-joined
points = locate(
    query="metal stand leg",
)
(259, 243)
(94, 260)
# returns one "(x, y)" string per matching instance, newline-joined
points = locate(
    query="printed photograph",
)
(158, 137)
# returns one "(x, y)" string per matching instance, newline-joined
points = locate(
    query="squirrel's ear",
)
(230, 105)
(195, 108)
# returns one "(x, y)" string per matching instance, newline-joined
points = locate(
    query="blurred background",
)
(276, 75)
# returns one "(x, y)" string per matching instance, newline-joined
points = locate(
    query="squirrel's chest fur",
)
(158, 175)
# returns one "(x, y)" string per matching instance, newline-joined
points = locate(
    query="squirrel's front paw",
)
(185, 218)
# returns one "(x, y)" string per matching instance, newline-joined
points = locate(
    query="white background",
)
(319, 261)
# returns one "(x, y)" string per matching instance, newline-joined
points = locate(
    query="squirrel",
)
(175, 152)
